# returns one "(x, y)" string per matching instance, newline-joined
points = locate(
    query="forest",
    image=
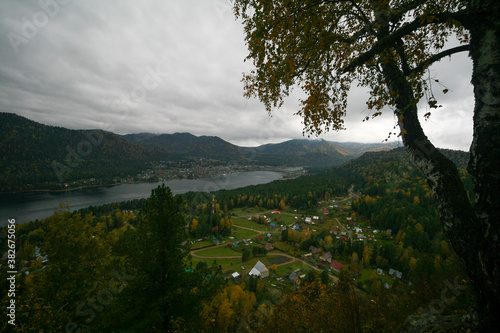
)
(142, 260)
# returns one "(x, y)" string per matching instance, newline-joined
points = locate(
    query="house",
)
(38, 255)
(308, 220)
(336, 266)
(269, 246)
(315, 217)
(361, 236)
(334, 230)
(395, 273)
(294, 277)
(313, 250)
(259, 270)
(236, 277)
(326, 211)
(343, 238)
(327, 256)
(380, 271)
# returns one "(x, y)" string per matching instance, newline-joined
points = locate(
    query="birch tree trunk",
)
(472, 231)
(484, 163)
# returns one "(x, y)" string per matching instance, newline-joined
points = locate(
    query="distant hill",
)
(36, 154)
(356, 149)
(386, 164)
(302, 152)
(211, 147)
(139, 138)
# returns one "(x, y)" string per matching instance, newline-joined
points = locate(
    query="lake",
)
(28, 206)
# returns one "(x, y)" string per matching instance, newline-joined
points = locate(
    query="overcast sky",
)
(172, 66)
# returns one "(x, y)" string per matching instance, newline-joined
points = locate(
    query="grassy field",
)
(235, 264)
(219, 252)
(284, 246)
(245, 234)
(278, 260)
(287, 218)
(226, 264)
(201, 244)
(246, 223)
(246, 211)
(293, 266)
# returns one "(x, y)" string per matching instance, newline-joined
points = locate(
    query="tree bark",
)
(461, 224)
(484, 26)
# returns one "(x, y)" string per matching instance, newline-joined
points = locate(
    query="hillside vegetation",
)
(134, 252)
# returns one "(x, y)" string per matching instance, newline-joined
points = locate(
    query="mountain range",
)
(35, 156)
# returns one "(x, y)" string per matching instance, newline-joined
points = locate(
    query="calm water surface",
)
(29, 206)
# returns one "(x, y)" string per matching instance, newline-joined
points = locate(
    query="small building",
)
(236, 277)
(380, 271)
(395, 273)
(259, 270)
(336, 266)
(308, 220)
(313, 250)
(294, 277)
(269, 246)
(327, 256)
(326, 211)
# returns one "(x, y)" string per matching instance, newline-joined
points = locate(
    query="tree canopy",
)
(324, 47)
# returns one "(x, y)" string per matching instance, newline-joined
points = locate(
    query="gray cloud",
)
(171, 66)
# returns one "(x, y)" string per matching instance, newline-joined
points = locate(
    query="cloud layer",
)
(171, 66)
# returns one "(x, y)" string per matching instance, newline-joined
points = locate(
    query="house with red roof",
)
(337, 266)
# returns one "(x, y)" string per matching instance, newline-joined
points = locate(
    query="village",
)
(259, 249)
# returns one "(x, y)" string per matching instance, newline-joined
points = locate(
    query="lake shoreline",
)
(137, 182)
(31, 205)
